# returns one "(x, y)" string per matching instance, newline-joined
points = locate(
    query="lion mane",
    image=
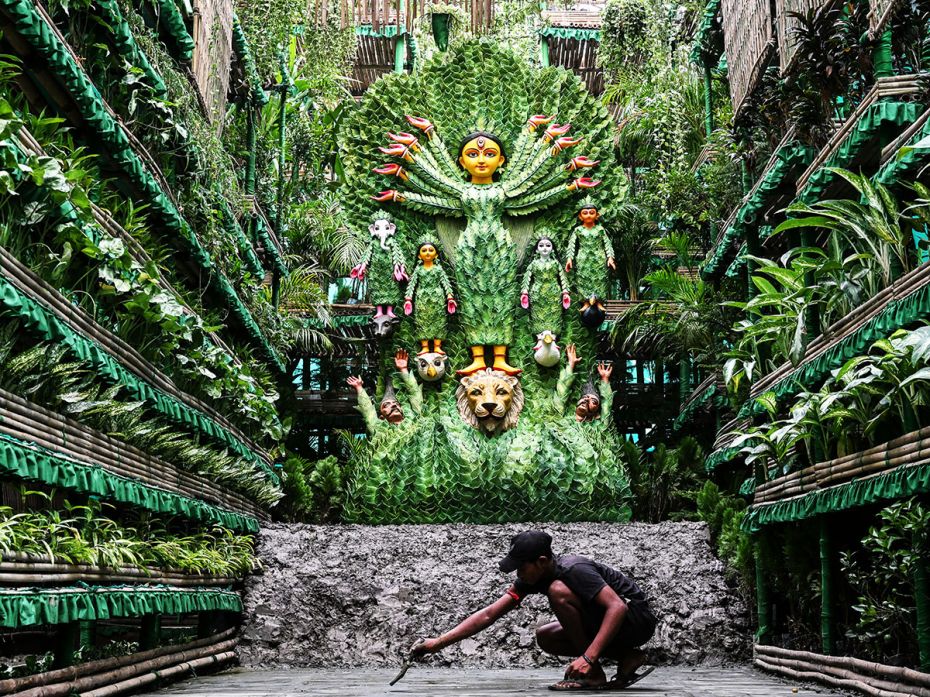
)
(490, 425)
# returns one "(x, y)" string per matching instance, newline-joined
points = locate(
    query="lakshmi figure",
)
(589, 249)
(485, 264)
(430, 293)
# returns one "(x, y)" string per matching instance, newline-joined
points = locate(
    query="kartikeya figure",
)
(590, 255)
(485, 256)
(429, 295)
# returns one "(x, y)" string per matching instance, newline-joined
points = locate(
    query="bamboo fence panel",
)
(787, 24)
(579, 56)
(212, 60)
(82, 323)
(103, 665)
(908, 284)
(374, 57)
(909, 450)
(32, 423)
(844, 671)
(747, 38)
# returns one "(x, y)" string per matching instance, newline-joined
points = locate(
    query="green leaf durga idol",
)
(485, 267)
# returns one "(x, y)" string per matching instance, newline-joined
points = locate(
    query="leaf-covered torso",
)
(590, 262)
(545, 291)
(429, 302)
(486, 268)
(382, 288)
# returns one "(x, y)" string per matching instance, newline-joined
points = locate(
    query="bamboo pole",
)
(169, 673)
(856, 683)
(846, 674)
(91, 682)
(899, 673)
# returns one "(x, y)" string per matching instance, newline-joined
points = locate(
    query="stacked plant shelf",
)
(140, 356)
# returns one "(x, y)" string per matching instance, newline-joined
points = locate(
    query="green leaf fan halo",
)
(476, 86)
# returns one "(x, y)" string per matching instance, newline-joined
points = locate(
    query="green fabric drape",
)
(261, 231)
(125, 44)
(172, 24)
(240, 44)
(232, 227)
(907, 162)
(899, 483)
(37, 606)
(51, 328)
(704, 50)
(738, 262)
(577, 33)
(35, 463)
(789, 158)
(113, 140)
(877, 117)
(719, 457)
(897, 314)
(693, 406)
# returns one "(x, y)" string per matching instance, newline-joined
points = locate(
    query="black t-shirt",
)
(585, 577)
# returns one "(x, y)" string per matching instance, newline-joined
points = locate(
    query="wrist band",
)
(588, 660)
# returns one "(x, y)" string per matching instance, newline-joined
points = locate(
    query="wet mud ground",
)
(441, 682)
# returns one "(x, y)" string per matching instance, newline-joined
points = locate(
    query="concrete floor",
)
(664, 682)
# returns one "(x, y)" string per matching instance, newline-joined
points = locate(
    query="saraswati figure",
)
(484, 271)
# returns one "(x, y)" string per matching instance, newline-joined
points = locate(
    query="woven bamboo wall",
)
(581, 58)
(786, 25)
(747, 34)
(381, 13)
(213, 54)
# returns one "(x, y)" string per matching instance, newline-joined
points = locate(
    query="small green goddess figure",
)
(545, 294)
(429, 297)
(590, 255)
(485, 254)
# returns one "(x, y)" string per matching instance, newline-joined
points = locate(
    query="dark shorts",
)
(637, 628)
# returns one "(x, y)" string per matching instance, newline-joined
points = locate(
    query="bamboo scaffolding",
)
(901, 288)
(29, 283)
(30, 422)
(105, 664)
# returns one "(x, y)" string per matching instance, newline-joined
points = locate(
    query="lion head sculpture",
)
(490, 401)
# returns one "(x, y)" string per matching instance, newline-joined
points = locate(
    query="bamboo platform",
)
(683, 681)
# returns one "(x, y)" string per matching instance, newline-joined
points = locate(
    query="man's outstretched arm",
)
(470, 626)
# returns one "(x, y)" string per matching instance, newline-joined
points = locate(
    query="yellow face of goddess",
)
(481, 157)
(427, 253)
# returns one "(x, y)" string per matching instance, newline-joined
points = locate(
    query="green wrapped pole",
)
(282, 140)
(544, 51)
(440, 25)
(812, 313)
(684, 380)
(400, 53)
(752, 248)
(251, 140)
(67, 642)
(708, 100)
(150, 632)
(827, 588)
(922, 601)
(883, 57)
(762, 594)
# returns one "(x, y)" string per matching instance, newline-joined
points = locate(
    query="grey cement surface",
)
(332, 596)
(664, 682)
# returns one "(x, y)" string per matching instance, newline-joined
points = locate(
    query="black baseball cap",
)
(527, 546)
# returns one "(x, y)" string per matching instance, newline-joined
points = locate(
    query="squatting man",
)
(600, 614)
